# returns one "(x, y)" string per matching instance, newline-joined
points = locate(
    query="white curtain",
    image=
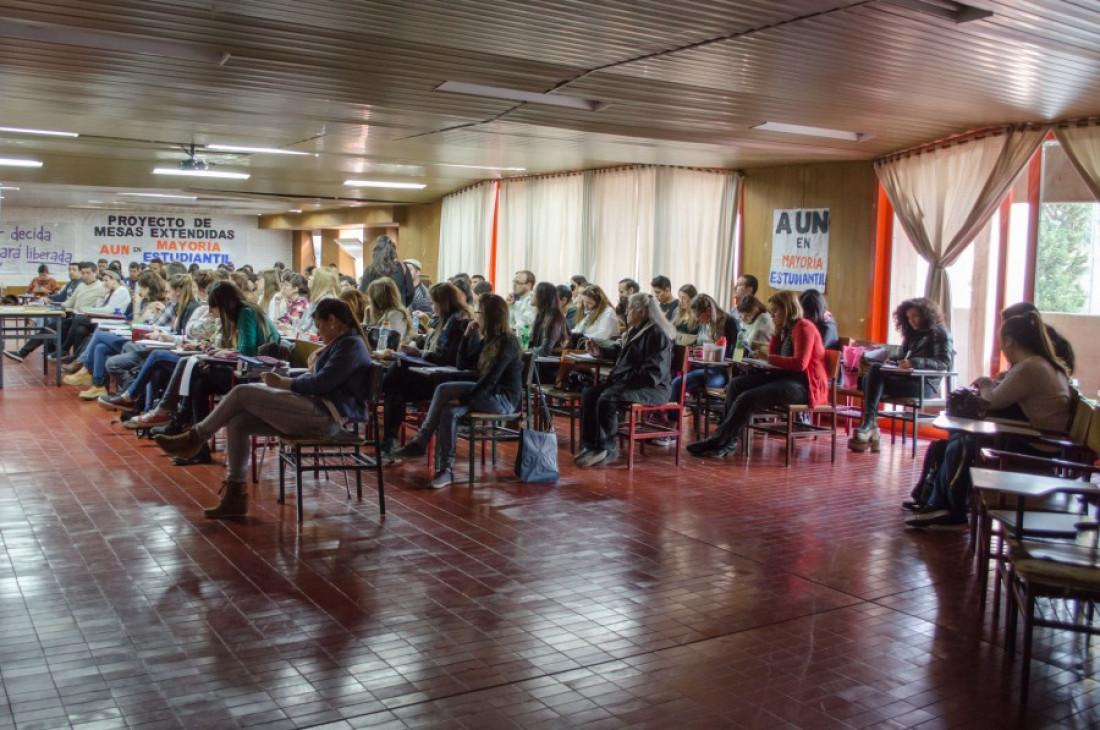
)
(618, 226)
(678, 222)
(539, 229)
(694, 230)
(466, 231)
(943, 197)
(1082, 143)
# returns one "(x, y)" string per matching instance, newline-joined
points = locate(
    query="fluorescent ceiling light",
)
(946, 9)
(5, 187)
(105, 40)
(481, 167)
(295, 210)
(497, 92)
(201, 173)
(158, 195)
(813, 131)
(11, 162)
(257, 150)
(44, 132)
(384, 184)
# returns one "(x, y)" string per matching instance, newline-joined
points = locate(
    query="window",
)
(1066, 270)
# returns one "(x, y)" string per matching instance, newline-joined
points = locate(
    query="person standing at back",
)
(383, 262)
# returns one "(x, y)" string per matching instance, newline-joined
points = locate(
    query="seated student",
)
(815, 310)
(662, 289)
(565, 304)
(182, 305)
(550, 333)
(400, 385)
(88, 292)
(70, 286)
(1061, 345)
(325, 284)
(462, 283)
(627, 288)
(270, 295)
(640, 375)
(295, 302)
(925, 345)
(797, 350)
(244, 329)
(315, 403)
(135, 272)
(684, 321)
(596, 319)
(90, 367)
(1035, 389)
(714, 324)
(357, 301)
(43, 285)
(480, 289)
(745, 286)
(756, 324)
(499, 388)
(116, 301)
(386, 308)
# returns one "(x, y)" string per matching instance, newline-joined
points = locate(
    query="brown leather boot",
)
(72, 368)
(234, 501)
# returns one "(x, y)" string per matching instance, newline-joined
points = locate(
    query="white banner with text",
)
(800, 249)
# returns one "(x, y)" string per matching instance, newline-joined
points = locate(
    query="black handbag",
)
(966, 403)
(537, 456)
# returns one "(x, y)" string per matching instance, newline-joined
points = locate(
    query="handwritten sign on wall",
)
(800, 249)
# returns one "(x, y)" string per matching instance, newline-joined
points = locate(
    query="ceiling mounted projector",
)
(194, 165)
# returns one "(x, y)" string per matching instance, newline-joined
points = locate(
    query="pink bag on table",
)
(851, 357)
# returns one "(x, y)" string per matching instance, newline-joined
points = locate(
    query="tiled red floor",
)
(735, 594)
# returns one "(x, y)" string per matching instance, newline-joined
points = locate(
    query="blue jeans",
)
(698, 379)
(159, 362)
(443, 416)
(102, 345)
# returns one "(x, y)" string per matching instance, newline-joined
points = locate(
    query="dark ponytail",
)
(334, 307)
(1029, 332)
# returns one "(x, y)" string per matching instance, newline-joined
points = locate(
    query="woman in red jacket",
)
(797, 376)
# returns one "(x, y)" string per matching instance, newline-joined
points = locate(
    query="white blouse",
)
(606, 326)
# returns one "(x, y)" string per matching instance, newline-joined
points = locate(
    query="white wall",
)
(56, 236)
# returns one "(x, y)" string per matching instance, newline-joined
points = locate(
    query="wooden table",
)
(988, 427)
(13, 324)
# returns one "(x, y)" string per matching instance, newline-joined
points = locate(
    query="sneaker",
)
(443, 478)
(410, 450)
(93, 393)
(148, 420)
(911, 505)
(933, 517)
(120, 402)
(666, 441)
(609, 458)
(588, 458)
(14, 355)
(81, 378)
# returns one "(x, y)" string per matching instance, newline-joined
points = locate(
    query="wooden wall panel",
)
(420, 235)
(848, 190)
(332, 251)
(302, 255)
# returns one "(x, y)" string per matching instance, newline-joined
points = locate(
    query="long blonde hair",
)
(271, 287)
(326, 282)
(594, 292)
(186, 287)
(383, 297)
(685, 316)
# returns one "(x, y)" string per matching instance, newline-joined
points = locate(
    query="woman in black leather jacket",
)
(926, 345)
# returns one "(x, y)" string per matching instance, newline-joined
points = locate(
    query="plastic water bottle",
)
(525, 336)
(384, 335)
